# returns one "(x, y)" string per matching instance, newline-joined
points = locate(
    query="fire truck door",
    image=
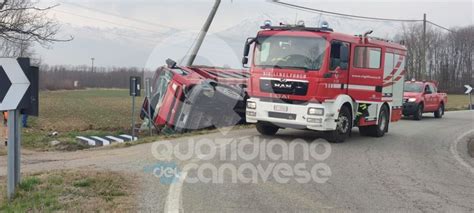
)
(365, 78)
(393, 79)
(339, 67)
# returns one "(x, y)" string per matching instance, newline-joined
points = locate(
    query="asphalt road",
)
(420, 166)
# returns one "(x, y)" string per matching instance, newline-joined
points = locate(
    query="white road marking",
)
(104, 141)
(89, 141)
(129, 137)
(454, 151)
(174, 198)
(118, 140)
(173, 201)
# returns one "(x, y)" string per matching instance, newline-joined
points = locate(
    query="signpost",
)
(148, 96)
(18, 93)
(135, 91)
(469, 90)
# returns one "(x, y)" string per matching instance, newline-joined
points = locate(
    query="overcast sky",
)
(106, 29)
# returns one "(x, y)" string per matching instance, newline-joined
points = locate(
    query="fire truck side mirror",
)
(245, 59)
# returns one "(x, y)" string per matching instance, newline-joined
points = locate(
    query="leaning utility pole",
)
(203, 33)
(423, 58)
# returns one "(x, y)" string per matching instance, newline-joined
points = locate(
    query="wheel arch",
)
(339, 102)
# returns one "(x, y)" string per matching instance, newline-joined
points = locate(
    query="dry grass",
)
(457, 102)
(77, 191)
(94, 109)
(97, 112)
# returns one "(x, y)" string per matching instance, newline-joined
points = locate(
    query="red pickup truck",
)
(423, 97)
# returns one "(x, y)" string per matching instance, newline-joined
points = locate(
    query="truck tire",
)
(344, 127)
(384, 121)
(380, 129)
(365, 130)
(440, 112)
(267, 129)
(418, 113)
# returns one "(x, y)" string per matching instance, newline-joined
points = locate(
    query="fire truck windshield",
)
(160, 88)
(413, 87)
(290, 52)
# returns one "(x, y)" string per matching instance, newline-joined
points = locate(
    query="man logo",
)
(282, 85)
(283, 80)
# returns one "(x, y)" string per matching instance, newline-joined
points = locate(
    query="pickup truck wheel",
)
(440, 112)
(267, 129)
(419, 113)
(343, 129)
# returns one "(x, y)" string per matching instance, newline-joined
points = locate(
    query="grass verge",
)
(77, 191)
(145, 140)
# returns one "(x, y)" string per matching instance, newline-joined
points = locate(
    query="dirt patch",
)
(76, 191)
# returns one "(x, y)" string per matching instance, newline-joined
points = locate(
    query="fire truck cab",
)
(316, 79)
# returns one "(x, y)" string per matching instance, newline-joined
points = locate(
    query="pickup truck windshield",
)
(413, 87)
(290, 52)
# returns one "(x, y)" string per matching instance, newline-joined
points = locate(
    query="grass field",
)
(76, 191)
(85, 110)
(99, 112)
(96, 112)
(457, 102)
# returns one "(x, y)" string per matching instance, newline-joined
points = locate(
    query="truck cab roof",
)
(328, 34)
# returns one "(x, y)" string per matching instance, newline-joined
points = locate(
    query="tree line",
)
(449, 56)
(80, 77)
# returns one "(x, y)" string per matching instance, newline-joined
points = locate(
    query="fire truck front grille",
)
(282, 115)
(283, 87)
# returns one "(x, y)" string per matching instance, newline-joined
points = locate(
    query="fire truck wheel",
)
(419, 113)
(380, 129)
(384, 120)
(364, 130)
(344, 127)
(440, 112)
(267, 129)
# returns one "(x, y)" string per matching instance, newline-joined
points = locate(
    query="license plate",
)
(281, 108)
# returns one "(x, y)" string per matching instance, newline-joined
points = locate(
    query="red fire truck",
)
(316, 79)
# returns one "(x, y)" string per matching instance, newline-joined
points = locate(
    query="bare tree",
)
(449, 56)
(22, 23)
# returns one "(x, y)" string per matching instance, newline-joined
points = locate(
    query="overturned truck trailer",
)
(196, 97)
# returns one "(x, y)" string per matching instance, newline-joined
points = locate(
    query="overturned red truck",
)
(187, 98)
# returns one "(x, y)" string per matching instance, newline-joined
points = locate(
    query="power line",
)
(106, 21)
(437, 25)
(119, 16)
(294, 6)
(350, 16)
